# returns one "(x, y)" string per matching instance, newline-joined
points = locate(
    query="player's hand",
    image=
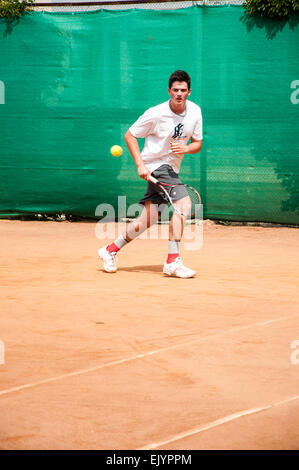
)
(178, 149)
(143, 172)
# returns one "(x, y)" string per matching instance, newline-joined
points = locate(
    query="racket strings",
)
(190, 205)
(194, 198)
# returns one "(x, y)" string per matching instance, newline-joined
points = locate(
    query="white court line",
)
(216, 423)
(138, 356)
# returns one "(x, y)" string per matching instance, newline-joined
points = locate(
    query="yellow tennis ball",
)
(116, 150)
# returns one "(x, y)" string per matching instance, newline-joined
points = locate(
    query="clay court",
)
(136, 360)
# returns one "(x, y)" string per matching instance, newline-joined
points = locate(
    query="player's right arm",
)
(133, 146)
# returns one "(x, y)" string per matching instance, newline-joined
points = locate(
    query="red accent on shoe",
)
(172, 257)
(112, 248)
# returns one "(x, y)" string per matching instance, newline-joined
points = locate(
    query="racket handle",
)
(153, 180)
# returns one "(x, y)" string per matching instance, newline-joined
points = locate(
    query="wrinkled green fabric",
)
(72, 84)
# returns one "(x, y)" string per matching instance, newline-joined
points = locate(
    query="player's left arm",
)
(193, 147)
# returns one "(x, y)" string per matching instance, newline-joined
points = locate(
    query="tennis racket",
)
(169, 191)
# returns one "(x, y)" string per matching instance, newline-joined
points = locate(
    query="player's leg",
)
(108, 253)
(177, 223)
(148, 217)
(173, 266)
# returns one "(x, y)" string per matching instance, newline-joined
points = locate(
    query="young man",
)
(167, 129)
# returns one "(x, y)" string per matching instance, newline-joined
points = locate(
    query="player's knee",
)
(185, 205)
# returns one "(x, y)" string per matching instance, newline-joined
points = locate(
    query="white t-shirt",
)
(159, 125)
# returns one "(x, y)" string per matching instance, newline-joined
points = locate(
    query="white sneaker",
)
(176, 268)
(110, 259)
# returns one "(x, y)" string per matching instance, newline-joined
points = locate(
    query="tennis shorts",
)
(165, 174)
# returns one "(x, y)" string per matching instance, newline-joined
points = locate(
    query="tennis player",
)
(167, 129)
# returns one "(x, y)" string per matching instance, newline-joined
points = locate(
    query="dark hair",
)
(179, 76)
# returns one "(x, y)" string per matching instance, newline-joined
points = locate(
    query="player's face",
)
(179, 93)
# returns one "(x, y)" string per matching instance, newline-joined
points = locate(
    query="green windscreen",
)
(72, 84)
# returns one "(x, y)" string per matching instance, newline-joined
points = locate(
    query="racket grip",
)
(153, 180)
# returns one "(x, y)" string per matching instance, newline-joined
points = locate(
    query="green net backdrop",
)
(72, 84)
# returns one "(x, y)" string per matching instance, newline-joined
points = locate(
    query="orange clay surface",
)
(136, 360)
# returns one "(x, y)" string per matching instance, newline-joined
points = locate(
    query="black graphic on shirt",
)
(178, 131)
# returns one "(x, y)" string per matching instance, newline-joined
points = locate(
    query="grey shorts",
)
(165, 174)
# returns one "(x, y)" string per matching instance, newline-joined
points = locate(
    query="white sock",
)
(173, 246)
(121, 241)
(173, 250)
